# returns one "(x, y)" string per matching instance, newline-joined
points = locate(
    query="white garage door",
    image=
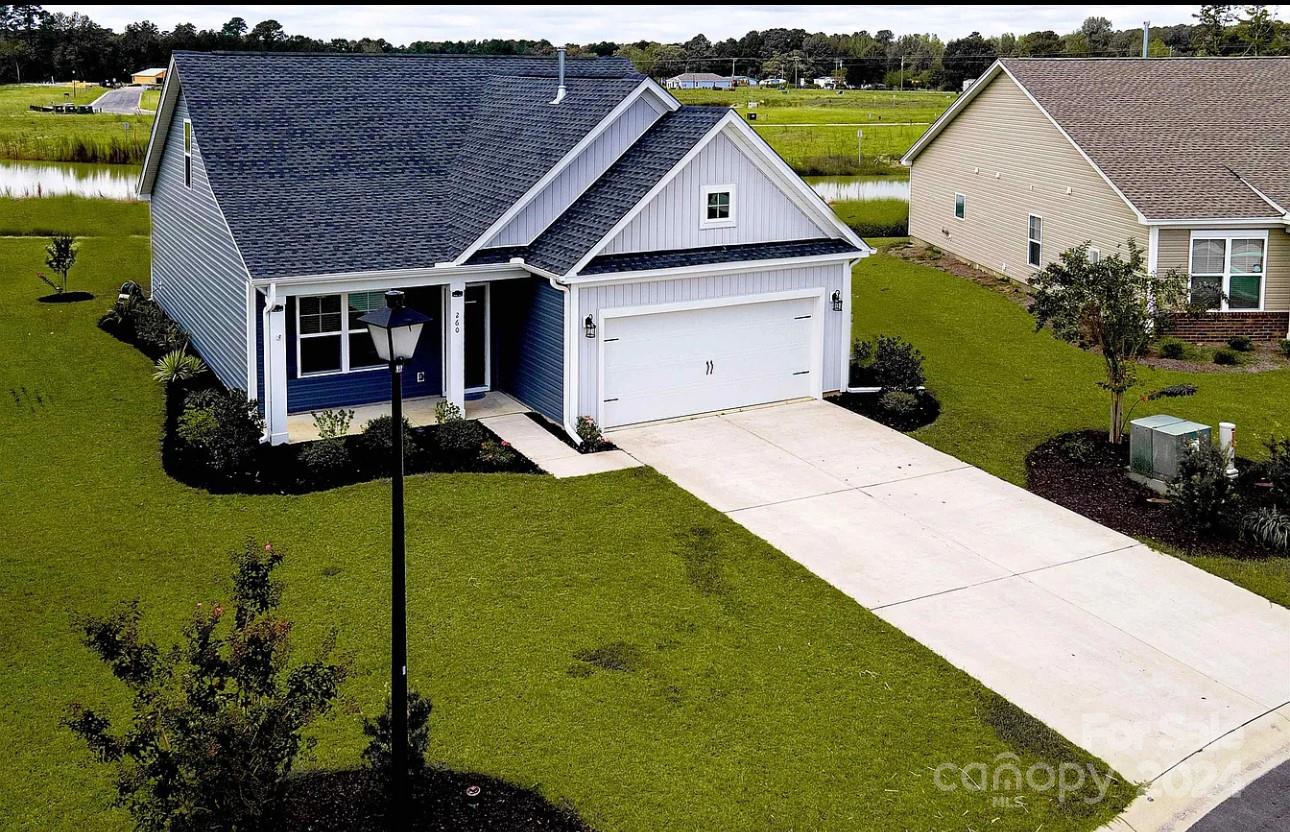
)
(658, 365)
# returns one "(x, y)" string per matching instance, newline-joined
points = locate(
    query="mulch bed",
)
(946, 262)
(558, 432)
(443, 801)
(867, 405)
(1096, 485)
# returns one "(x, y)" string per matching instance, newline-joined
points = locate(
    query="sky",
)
(587, 24)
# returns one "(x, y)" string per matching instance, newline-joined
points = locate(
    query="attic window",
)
(188, 153)
(718, 208)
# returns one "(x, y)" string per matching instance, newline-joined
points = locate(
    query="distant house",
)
(826, 82)
(1186, 156)
(603, 252)
(774, 82)
(700, 81)
(153, 77)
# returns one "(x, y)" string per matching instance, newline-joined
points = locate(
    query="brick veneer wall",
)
(1261, 326)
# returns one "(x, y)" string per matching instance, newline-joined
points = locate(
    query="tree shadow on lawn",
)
(351, 800)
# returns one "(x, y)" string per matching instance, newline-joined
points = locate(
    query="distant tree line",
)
(37, 45)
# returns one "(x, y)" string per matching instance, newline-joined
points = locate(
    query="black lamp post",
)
(395, 330)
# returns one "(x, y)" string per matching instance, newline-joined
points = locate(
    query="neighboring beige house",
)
(1188, 156)
(149, 77)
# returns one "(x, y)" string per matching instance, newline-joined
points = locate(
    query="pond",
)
(859, 188)
(39, 179)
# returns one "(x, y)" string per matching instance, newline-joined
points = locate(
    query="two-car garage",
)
(665, 360)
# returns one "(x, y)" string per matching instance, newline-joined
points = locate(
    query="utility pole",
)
(1146, 38)
(902, 73)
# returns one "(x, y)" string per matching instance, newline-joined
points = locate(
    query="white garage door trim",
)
(816, 344)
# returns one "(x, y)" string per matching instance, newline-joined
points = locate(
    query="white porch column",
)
(275, 367)
(454, 386)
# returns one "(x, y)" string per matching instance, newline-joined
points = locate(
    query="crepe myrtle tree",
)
(60, 256)
(1112, 305)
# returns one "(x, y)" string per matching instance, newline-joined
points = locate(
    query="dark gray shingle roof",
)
(626, 182)
(639, 261)
(1176, 135)
(335, 163)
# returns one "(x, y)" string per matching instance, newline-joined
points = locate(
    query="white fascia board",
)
(949, 115)
(1269, 200)
(654, 191)
(532, 193)
(160, 129)
(731, 267)
(388, 279)
(1141, 217)
(792, 185)
(1225, 222)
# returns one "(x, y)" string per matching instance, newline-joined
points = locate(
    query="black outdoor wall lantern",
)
(837, 301)
(589, 327)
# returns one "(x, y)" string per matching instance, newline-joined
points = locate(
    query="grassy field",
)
(25, 134)
(755, 696)
(874, 217)
(1005, 388)
(150, 99)
(824, 142)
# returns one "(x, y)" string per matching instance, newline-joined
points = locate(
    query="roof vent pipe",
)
(559, 93)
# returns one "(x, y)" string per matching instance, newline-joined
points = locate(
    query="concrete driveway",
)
(1136, 656)
(123, 101)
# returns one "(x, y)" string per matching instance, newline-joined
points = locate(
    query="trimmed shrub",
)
(325, 461)
(1268, 526)
(1276, 468)
(1172, 348)
(379, 754)
(154, 332)
(1284, 343)
(1241, 343)
(219, 431)
(896, 364)
(1204, 496)
(1225, 358)
(899, 403)
(460, 437)
(378, 441)
(446, 411)
(497, 456)
(590, 437)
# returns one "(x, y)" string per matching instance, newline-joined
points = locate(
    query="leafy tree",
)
(1112, 305)
(267, 34)
(1256, 29)
(967, 58)
(217, 721)
(1040, 44)
(1210, 33)
(60, 256)
(1097, 34)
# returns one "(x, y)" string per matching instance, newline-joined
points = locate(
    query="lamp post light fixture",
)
(395, 331)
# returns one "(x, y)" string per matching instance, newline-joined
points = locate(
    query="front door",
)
(477, 337)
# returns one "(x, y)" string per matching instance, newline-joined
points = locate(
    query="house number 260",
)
(456, 322)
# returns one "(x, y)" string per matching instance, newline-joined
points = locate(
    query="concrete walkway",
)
(557, 458)
(1136, 656)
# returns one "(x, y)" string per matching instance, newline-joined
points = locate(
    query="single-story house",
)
(1187, 156)
(153, 77)
(700, 81)
(582, 241)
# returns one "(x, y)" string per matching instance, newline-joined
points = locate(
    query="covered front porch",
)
(491, 347)
(418, 411)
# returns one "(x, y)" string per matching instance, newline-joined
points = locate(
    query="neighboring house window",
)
(330, 338)
(960, 206)
(718, 206)
(1094, 255)
(188, 153)
(1232, 263)
(1035, 247)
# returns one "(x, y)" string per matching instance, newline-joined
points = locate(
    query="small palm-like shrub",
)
(1267, 526)
(178, 366)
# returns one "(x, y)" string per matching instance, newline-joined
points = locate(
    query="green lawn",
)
(150, 99)
(26, 134)
(874, 217)
(758, 697)
(1005, 388)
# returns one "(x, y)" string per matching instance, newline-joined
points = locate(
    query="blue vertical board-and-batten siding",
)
(528, 343)
(197, 273)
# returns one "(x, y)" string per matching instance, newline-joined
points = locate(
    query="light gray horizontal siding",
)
(1175, 253)
(592, 299)
(197, 273)
(1009, 161)
(763, 214)
(556, 197)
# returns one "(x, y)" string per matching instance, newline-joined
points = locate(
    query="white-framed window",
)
(717, 209)
(329, 337)
(1035, 241)
(188, 153)
(1094, 255)
(960, 206)
(1231, 262)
